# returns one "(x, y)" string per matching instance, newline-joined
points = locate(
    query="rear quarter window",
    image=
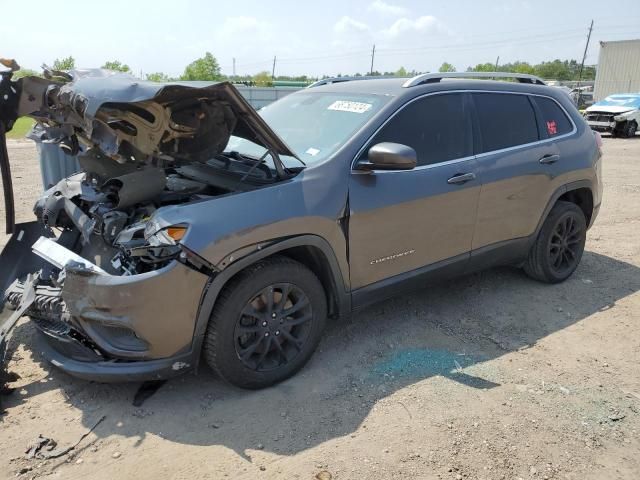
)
(506, 120)
(554, 120)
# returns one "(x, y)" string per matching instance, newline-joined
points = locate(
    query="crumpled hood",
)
(131, 119)
(618, 103)
(608, 109)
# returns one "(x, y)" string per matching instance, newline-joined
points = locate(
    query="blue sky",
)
(314, 38)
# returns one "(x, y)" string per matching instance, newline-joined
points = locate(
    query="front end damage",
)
(113, 289)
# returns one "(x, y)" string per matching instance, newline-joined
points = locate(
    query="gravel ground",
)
(490, 376)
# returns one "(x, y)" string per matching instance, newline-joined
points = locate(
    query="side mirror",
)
(389, 156)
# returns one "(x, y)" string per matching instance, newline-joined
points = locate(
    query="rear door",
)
(403, 220)
(517, 162)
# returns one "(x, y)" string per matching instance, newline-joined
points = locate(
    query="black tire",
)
(630, 129)
(557, 251)
(255, 338)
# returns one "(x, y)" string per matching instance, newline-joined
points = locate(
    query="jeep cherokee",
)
(197, 226)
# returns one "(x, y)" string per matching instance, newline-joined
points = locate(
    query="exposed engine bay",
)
(140, 146)
(104, 211)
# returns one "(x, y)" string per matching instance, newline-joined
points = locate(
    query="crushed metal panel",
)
(94, 102)
(62, 257)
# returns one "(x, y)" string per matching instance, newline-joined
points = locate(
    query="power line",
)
(565, 34)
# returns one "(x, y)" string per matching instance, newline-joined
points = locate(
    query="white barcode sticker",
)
(347, 106)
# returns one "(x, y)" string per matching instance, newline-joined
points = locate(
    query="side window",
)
(506, 120)
(554, 120)
(437, 127)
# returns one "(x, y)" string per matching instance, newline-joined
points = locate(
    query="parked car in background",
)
(582, 97)
(200, 226)
(617, 114)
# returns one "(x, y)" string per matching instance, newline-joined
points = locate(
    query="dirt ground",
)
(491, 376)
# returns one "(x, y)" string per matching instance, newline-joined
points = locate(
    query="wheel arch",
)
(580, 193)
(583, 198)
(311, 250)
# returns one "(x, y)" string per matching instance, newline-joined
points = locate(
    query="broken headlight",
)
(166, 236)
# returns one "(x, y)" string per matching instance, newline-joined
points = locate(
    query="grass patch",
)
(20, 128)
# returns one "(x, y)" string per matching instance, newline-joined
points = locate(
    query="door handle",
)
(461, 178)
(549, 159)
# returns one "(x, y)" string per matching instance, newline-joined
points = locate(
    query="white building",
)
(618, 68)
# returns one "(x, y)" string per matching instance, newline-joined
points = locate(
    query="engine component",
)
(112, 224)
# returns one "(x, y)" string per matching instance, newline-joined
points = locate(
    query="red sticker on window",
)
(552, 128)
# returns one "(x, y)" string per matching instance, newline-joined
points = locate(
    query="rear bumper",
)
(53, 349)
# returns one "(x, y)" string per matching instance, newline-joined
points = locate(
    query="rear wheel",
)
(558, 249)
(266, 324)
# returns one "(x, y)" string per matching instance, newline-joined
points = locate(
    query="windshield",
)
(313, 124)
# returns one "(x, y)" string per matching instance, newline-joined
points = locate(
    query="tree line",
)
(553, 70)
(207, 68)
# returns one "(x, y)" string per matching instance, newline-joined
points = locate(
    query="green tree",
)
(205, 68)
(68, 63)
(401, 72)
(482, 67)
(158, 77)
(555, 70)
(262, 79)
(519, 67)
(116, 66)
(447, 67)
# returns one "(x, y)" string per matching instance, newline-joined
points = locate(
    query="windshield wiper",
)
(255, 165)
(280, 167)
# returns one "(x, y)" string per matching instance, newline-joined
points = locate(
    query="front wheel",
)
(630, 129)
(266, 324)
(557, 251)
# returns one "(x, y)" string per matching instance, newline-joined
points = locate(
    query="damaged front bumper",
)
(106, 327)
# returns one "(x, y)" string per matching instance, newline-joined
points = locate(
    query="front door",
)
(401, 221)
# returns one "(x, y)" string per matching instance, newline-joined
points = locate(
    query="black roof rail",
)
(436, 77)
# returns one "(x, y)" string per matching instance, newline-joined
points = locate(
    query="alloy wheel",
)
(272, 327)
(564, 244)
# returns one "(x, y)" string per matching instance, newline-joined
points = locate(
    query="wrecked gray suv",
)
(199, 228)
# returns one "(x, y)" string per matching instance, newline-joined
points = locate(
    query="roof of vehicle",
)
(391, 85)
(394, 87)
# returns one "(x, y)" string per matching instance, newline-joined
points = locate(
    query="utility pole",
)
(584, 57)
(273, 70)
(234, 67)
(373, 55)
(497, 61)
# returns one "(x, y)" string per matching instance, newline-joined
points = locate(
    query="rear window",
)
(506, 120)
(554, 120)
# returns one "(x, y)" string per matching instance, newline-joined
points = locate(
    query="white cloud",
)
(383, 8)
(347, 24)
(424, 24)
